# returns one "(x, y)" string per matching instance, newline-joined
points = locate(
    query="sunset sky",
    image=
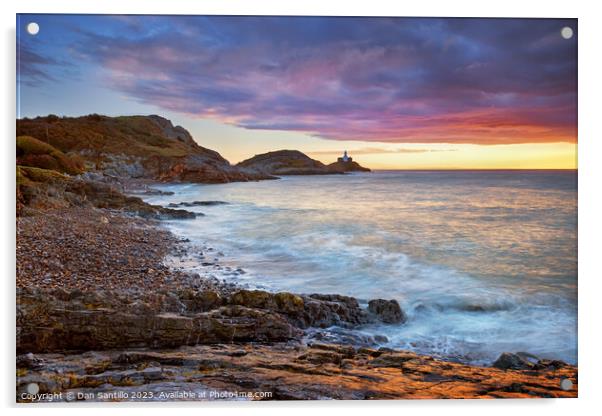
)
(397, 93)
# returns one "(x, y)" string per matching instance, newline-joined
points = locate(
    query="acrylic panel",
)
(295, 208)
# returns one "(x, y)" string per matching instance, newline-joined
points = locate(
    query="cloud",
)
(378, 150)
(398, 80)
(31, 66)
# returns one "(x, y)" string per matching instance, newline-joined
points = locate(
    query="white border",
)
(590, 207)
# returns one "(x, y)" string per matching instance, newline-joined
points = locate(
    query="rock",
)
(339, 335)
(238, 353)
(29, 361)
(550, 365)
(346, 351)
(237, 323)
(102, 195)
(387, 311)
(349, 166)
(148, 147)
(285, 162)
(305, 311)
(101, 322)
(201, 301)
(287, 370)
(510, 361)
(153, 191)
(321, 357)
(197, 204)
(328, 310)
(392, 359)
(526, 361)
(293, 162)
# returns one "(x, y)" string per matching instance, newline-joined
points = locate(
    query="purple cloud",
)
(484, 81)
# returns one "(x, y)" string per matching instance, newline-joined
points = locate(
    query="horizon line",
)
(478, 169)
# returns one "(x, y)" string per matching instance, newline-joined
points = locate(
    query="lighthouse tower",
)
(345, 158)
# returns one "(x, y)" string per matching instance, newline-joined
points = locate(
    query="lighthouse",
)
(345, 158)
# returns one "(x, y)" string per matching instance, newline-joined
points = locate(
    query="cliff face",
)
(293, 162)
(149, 147)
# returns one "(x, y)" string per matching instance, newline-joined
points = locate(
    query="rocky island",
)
(293, 162)
(103, 313)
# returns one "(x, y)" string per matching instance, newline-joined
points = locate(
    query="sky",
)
(397, 93)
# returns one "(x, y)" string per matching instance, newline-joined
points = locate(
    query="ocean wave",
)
(463, 296)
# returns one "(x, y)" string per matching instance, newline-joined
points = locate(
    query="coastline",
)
(260, 337)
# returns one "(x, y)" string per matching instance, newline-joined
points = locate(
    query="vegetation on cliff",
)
(149, 147)
(53, 152)
(35, 153)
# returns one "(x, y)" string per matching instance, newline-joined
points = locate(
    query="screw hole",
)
(566, 32)
(33, 28)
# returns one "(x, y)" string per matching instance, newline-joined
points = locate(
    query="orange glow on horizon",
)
(237, 144)
(457, 156)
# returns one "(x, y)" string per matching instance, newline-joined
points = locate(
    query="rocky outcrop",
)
(40, 190)
(525, 361)
(280, 371)
(101, 195)
(284, 162)
(149, 147)
(74, 320)
(387, 311)
(306, 310)
(293, 162)
(197, 204)
(63, 321)
(172, 132)
(349, 166)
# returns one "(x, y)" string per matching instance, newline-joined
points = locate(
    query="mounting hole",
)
(566, 32)
(566, 384)
(33, 28)
(33, 388)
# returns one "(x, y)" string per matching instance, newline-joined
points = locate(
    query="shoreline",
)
(135, 250)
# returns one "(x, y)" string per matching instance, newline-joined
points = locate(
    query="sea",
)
(482, 262)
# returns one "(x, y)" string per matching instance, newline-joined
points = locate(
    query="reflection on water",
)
(482, 261)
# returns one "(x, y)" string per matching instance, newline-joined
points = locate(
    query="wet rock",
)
(510, 361)
(102, 195)
(201, 301)
(29, 361)
(338, 335)
(238, 353)
(197, 204)
(103, 320)
(387, 311)
(346, 351)
(550, 364)
(305, 311)
(392, 359)
(153, 191)
(287, 371)
(321, 357)
(45, 323)
(328, 310)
